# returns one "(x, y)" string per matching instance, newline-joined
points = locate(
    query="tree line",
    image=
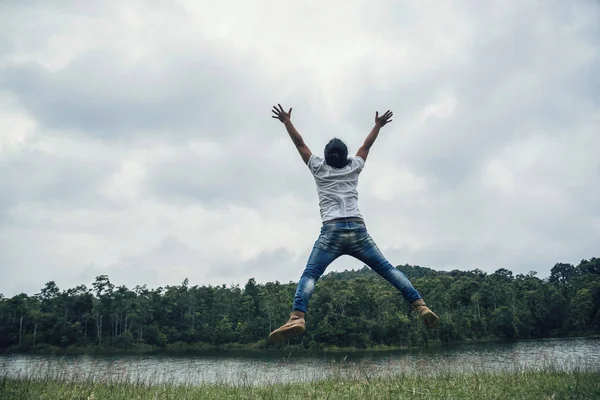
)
(349, 309)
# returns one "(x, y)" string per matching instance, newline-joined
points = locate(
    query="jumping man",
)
(343, 231)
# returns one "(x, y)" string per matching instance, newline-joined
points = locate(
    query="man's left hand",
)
(282, 115)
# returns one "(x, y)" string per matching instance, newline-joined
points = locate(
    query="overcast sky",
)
(136, 137)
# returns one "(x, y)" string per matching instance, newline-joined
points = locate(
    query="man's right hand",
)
(281, 115)
(384, 119)
(363, 151)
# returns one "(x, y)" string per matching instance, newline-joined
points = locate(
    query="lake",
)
(268, 367)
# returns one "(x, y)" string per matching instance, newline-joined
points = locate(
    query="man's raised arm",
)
(284, 117)
(380, 122)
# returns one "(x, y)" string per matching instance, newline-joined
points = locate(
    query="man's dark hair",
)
(336, 153)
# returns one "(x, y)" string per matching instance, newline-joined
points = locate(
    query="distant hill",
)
(411, 271)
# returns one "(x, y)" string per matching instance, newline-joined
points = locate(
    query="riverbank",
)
(261, 346)
(516, 384)
(191, 348)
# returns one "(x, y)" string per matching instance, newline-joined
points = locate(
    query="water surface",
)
(268, 367)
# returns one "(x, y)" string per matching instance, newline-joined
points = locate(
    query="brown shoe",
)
(295, 326)
(429, 317)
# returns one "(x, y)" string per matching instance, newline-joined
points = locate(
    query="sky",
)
(136, 137)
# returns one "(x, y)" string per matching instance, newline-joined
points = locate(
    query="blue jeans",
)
(347, 238)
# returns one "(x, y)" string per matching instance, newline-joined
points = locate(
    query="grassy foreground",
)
(513, 385)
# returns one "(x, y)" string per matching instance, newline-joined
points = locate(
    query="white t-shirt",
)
(337, 187)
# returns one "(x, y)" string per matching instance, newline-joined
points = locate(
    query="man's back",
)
(337, 187)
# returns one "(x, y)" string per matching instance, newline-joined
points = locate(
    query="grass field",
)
(544, 384)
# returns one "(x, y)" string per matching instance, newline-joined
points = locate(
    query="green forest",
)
(350, 309)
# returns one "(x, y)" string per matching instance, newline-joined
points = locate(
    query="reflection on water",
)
(245, 368)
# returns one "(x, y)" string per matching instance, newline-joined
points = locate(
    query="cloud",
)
(172, 92)
(136, 139)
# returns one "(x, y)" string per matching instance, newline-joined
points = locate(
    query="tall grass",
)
(518, 385)
(548, 380)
